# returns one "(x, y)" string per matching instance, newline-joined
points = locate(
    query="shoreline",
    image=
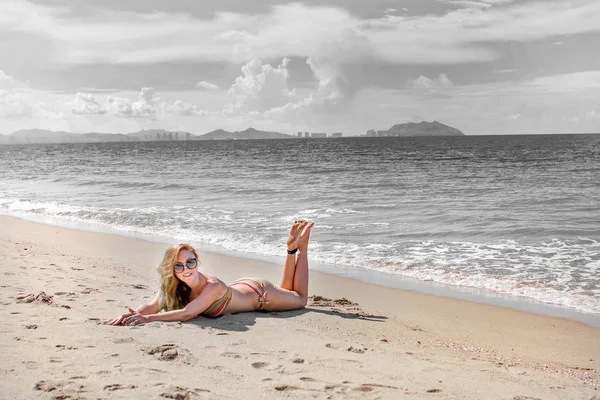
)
(354, 339)
(372, 277)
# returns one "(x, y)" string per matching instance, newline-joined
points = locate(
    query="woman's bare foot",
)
(299, 235)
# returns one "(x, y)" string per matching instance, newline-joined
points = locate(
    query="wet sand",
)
(354, 340)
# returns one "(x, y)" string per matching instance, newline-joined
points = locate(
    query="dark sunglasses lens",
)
(178, 267)
(191, 263)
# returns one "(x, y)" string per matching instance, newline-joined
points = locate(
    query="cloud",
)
(119, 106)
(575, 82)
(42, 110)
(504, 71)
(14, 105)
(294, 29)
(186, 109)
(422, 82)
(6, 82)
(85, 104)
(207, 85)
(147, 106)
(477, 4)
(259, 88)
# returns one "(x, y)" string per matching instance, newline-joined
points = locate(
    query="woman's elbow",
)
(186, 315)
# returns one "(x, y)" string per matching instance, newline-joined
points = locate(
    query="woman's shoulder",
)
(213, 281)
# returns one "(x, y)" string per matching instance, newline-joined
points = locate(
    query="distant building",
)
(371, 133)
(299, 134)
(187, 136)
(306, 134)
(318, 135)
(381, 133)
(336, 134)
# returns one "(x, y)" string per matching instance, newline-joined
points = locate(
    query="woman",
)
(186, 293)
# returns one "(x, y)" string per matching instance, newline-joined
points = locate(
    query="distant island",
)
(150, 135)
(423, 128)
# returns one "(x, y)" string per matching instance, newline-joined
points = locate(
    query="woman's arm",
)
(149, 308)
(192, 310)
(145, 309)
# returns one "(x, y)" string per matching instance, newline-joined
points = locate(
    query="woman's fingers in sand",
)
(135, 318)
(120, 320)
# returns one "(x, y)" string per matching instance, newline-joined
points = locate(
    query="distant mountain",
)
(44, 136)
(423, 128)
(249, 133)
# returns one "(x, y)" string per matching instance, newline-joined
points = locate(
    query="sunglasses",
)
(191, 263)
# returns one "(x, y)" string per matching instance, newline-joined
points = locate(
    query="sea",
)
(507, 219)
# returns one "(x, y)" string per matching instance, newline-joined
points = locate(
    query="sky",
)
(482, 66)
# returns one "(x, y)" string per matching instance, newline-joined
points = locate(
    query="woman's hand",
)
(299, 234)
(136, 318)
(131, 318)
(119, 320)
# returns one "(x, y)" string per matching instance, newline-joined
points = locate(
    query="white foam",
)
(561, 272)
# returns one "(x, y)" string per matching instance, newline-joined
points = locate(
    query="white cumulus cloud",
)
(207, 85)
(186, 109)
(147, 106)
(14, 105)
(85, 104)
(259, 88)
(423, 82)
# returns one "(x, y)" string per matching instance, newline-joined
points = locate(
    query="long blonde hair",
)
(174, 294)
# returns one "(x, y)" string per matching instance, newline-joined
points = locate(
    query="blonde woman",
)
(185, 292)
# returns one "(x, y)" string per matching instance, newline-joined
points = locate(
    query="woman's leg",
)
(301, 276)
(289, 270)
(293, 293)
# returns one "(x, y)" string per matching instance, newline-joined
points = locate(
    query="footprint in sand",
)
(231, 354)
(123, 340)
(260, 365)
(118, 386)
(60, 389)
(45, 386)
(169, 352)
(282, 388)
(180, 392)
(357, 350)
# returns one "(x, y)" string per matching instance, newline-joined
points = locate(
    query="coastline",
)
(434, 346)
(377, 278)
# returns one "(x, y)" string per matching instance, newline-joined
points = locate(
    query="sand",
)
(354, 340)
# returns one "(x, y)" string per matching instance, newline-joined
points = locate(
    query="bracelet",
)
(292, 251)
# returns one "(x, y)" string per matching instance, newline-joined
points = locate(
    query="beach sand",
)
(354, 340)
